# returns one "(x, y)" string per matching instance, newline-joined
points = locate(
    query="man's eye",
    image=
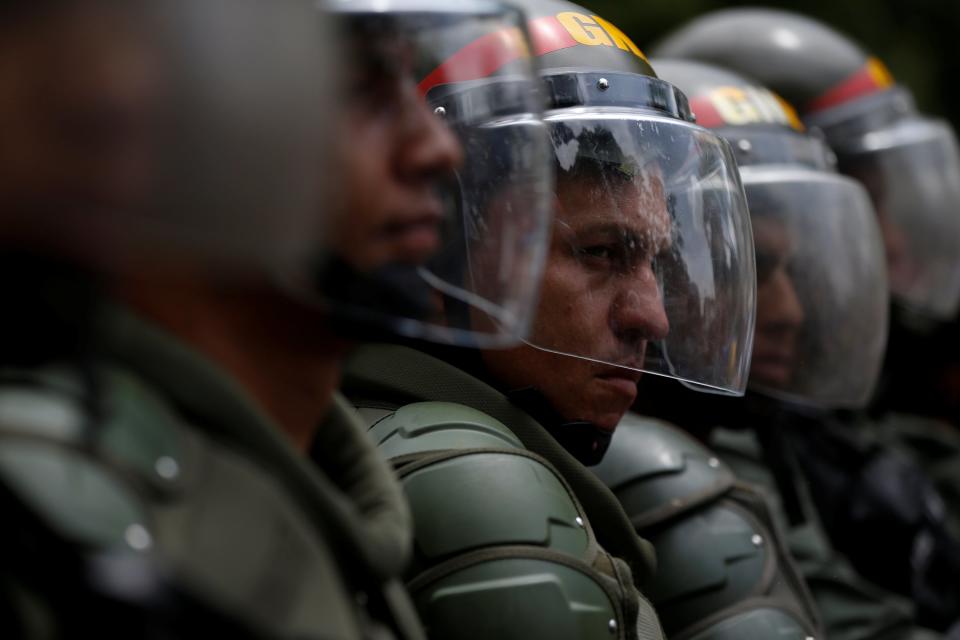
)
(602, 252)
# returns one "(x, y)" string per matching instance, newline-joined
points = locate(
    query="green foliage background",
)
(917, 39)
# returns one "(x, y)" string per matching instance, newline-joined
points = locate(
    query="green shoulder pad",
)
(485, 498)
(503, 548)
(719, 566)
(657, 471)
(709, 560)
(436, 426)
(518, 599)
(76, 475)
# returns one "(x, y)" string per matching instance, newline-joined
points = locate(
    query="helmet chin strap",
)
(583, 440)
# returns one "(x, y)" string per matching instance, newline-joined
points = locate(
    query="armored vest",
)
(723, 567)
(505, 544)
(145, 496)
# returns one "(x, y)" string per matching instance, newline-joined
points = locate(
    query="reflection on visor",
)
(448, 183)
(821, 287)
(651, 261)
(912, 171)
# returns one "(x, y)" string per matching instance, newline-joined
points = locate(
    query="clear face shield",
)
(650, 265)
(446, 174)
(822, 300)
(910, 164)
(164, 133)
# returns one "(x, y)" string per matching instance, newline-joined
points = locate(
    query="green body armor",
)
(723, 569)
(227, 513)
(503, 547)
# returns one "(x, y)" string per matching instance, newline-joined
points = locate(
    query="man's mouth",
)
(776, 369)
(413, 238)
(620, 380)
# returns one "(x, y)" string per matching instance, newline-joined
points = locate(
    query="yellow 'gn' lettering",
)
(750, 105)
(594, 31)
(584, 29)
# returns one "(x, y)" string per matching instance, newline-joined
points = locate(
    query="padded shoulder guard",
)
(503, 548)
(722, 571)
(205, 529)
(658, 471)
(434, 426)
(45, 459)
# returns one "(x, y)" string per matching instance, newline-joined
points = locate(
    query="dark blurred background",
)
(919, 40)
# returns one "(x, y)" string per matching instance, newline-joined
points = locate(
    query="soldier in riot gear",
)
(682, 495)
(649, 268)
(858, 482)
(907, 161)
(170, 355)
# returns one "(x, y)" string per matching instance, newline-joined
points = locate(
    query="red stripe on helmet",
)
(873, 77)
(487, 54)
(706, 113)
(477, 60)
(549, 35)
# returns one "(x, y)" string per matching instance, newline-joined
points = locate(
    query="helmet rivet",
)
(138, 537)
(757, 540)
(603, 84)
(745, 146)
(167, 468)
(579, 521)
(440, 111)
(612, 626)
(713, 463)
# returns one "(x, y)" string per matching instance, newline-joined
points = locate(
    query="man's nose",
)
(783, 304)
(426, 147)
(637, 312)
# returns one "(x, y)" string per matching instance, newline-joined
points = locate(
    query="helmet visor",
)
(447, 173)
(650, 264)
(912, 171)
(821, 287)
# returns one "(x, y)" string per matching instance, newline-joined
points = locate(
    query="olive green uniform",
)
(514, 537)
(178, 471)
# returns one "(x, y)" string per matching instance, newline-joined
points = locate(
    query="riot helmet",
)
(821, 278)
(909, 162)
(220, 154)
(650, 265)
(446, 174)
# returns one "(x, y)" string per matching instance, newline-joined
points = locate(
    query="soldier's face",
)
(394, 152)
(600, 298)
(780, 314)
